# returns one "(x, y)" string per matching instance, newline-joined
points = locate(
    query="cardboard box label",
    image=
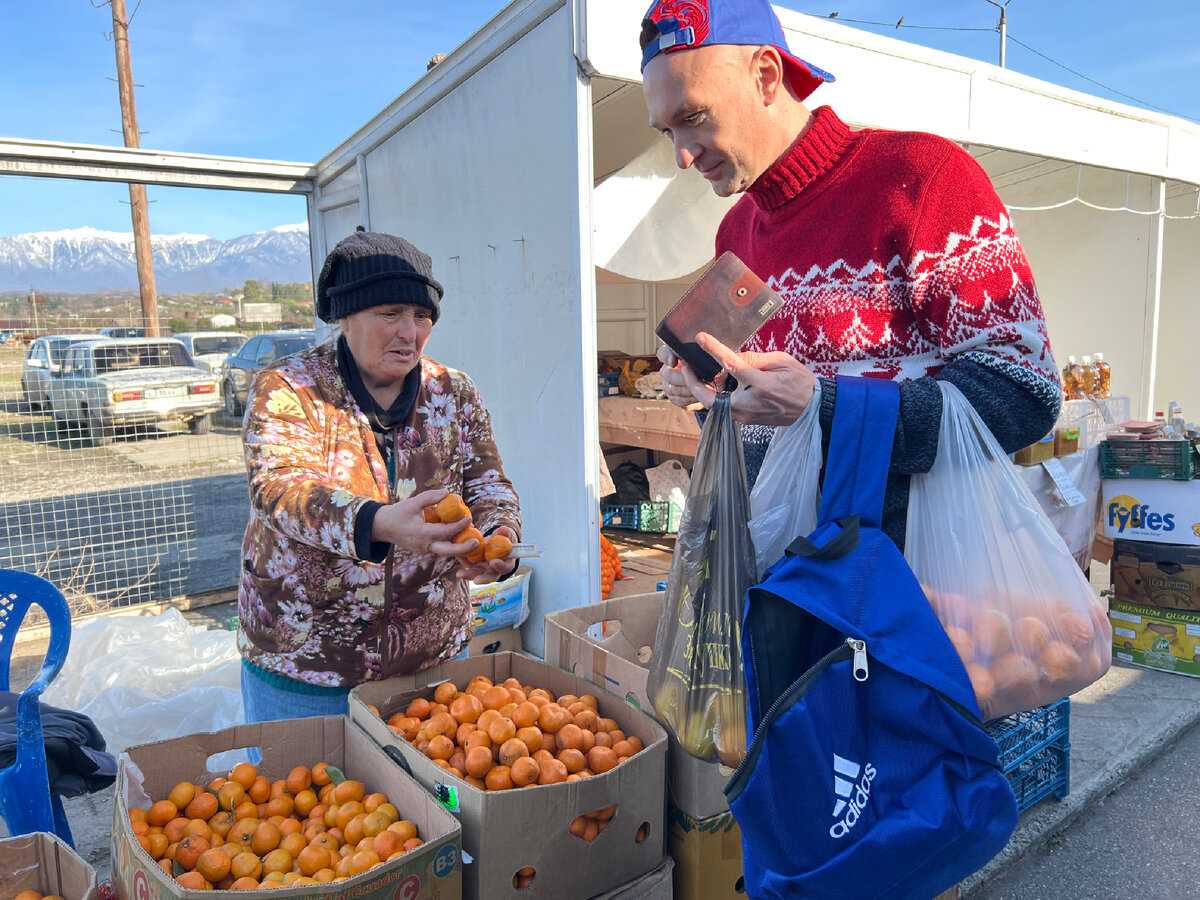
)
(1163, 512)
(1168, 640)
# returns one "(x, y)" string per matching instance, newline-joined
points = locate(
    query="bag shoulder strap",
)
(860, 450)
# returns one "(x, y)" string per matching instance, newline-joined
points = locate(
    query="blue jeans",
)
(266, 701)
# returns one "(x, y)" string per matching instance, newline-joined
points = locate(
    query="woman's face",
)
(387, 341)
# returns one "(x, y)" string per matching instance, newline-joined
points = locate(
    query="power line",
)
(1099, 84)
(902, 24)
(835, 16)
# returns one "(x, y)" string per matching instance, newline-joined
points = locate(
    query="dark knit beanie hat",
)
(371, 269)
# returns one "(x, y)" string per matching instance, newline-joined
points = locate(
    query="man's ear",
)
(767, 68)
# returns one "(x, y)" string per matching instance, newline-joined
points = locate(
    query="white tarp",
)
(654, 222)
(149, 678)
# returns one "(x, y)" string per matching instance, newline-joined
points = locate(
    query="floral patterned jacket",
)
(309, 608)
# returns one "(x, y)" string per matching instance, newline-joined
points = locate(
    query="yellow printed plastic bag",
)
(696, 681)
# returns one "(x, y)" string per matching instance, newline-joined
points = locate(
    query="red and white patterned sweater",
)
(896, 259)
(893, 255)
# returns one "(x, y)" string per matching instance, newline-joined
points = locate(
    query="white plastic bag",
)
(669, 483)
(149, 678)
(783, 504)
(1013, 601)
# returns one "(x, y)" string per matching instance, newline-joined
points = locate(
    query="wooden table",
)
(648, 424)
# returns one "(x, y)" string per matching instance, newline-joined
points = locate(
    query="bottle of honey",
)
(1087, 378)
(1072, 375)
(1103, 377)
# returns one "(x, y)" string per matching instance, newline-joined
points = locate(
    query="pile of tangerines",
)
(246, 832)
(36, 895)
(496, 737)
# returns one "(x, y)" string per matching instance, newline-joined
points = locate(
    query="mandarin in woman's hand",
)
(497, 547)
(471, 533)
(451, 508)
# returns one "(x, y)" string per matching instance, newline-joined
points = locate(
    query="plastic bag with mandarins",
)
(696, 681)
(610, 567)
(1013, 601)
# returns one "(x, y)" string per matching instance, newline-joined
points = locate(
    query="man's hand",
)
(773, 388)
(489, 570)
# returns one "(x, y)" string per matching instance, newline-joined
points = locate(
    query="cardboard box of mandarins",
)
(291, 781)
(611, 644)
(43, 864)
(541, 817)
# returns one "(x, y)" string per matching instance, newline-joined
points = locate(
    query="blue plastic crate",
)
(1022, 734)
(1047, 773)
(609, 384)
(1035, 752)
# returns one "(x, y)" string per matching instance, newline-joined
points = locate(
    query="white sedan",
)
(115, 382)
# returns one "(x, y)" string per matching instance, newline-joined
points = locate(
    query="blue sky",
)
(289, 79)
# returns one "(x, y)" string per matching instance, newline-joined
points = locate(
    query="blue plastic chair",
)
(26, 803)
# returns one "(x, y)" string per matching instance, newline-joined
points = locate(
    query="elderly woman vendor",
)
(343, 580)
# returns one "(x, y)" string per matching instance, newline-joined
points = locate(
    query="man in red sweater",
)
(893, 255)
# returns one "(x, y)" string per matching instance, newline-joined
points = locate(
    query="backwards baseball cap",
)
(687, 24)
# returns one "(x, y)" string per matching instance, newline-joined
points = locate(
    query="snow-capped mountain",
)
(87, 259)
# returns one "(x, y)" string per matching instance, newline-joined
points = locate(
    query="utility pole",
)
(1003, 29)
(33, 307)
(137, 192)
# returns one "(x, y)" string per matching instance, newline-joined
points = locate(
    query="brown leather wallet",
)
(729, 302)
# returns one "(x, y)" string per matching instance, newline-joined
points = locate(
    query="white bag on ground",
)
(1015, 604)
(783, 504)
(149, 678)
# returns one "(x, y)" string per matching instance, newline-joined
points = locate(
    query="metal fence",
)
(123, 477)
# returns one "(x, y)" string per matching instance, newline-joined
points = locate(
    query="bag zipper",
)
(851, 648)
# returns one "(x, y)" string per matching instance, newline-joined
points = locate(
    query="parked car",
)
(42, 362)
(121, 331)
(210, 349)
(6, 336)
(109, 383)
(256, 353)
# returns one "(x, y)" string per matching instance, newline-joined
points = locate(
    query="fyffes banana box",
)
(1164, 639)
(1143, 509)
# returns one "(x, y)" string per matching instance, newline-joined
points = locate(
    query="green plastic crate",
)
(652, 516)
(1166, 460)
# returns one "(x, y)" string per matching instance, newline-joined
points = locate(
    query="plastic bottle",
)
(1072, 389)
(1103, 377)
(1175, 419)
(1087, 377)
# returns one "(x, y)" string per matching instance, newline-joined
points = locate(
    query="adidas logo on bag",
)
(850, 795)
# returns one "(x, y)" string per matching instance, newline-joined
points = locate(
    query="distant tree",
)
(255, 291)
